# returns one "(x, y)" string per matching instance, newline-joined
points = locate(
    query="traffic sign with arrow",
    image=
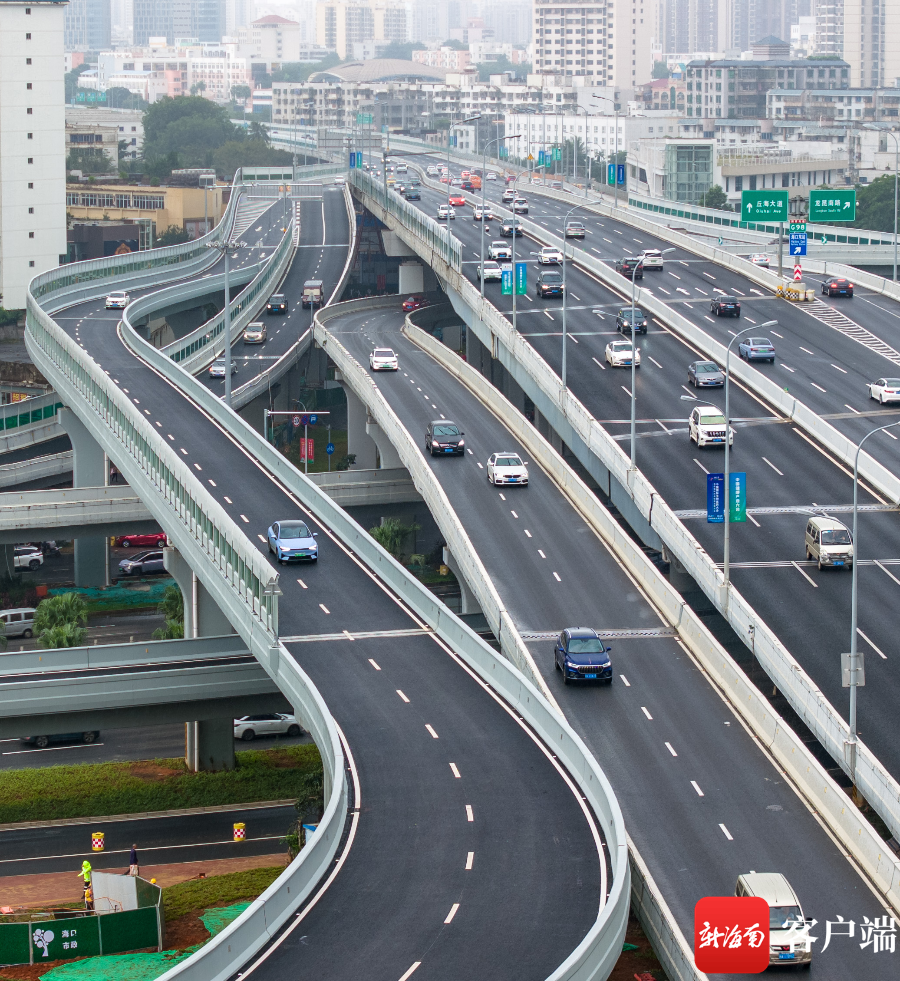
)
(764, 205)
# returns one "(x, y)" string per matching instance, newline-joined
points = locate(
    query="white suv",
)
(652, 259)
(707, 427)
(28, 557)
(118, 300)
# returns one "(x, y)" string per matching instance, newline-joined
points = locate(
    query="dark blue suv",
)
(581, 656)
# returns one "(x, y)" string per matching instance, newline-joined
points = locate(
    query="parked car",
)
(885, 390)
(277, 303)
(148, 563)
(760, 259)
(457, 201)
(415, 302)
(707, 427)
(789, 940)
(313, 294)
(837, 287)
(705, 374)
(117, 300)
(729, 306)
(88, 737)
(520, 206)
(549, 283)
(511, 228)
(500, 250)
(581, 655)
(444, 437)
(158, 539)
(828, 542)
(292, 539)
(626, 323)
(575, 229)
(28, 557)
(620, 353)
(549, 256)
(266, 724)
(217, 368)
(255, 333)
(652, 259)
(18, 622)
(492, 272)
(507, 468)
(383, 359)
(628, 265)
(757, 349)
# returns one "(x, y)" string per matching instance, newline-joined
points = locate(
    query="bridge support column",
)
(678, 575)
(388, 457)
(468, 602)
(209, 745)
(90, 469)
(477, 354)
(358, 439)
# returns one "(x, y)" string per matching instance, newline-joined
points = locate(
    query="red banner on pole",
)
(307, 449)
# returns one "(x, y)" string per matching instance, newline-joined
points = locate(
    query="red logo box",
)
(731, 935)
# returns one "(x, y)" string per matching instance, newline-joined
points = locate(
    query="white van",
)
(829, 542)
(18, 622)
(789, 941)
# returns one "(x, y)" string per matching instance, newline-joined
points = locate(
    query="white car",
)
(479, 213)
(619, 354)
(707, 427)
(508, 195)
(266, 724)
(431, 170)
(118, 300)
(885, 390)
(652, 259)
(490, 176)
(444, 212)
(255, 333)
(217, 368)
(492, 271)
(760, 259)
(383, 359)
(340, 181)
(499, 250)
(520, 206)
(28, 557)
(549, 256)
(507, 468)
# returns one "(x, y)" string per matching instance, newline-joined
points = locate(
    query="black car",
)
(510, 228)
(89, 736)
(443, 437)
(412, 194)
(467, 186)
(627, 267)
(837, 287)
(414, 182)
(624, 322)
(143, 564)
(549, 283)
(582, 656)
(706, 374)
(725, 306)
(277, 303)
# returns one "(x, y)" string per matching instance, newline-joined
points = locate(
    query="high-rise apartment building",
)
(342, 23)
(830, 27)
(32, 144)
(602, 43)
(87, 25)
(872, 42)
(202, 20)
(694, 25)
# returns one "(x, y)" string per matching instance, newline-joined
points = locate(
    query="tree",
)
(62, 635)
(499, 67)
(246, 153)
(189, 127)
(240, 93)
(118, 97)
(257, 131)
(172, 608)
(89, 162)
(660, 69)
(455, 45)
(715, 198)
(875, 205)
(198, 87)
(401, 51)
(391, 535)
(59, 621)
(299, 71)
(173, 235)
(570, 159)
(71, 81)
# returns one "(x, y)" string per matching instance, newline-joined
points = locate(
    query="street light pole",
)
(616, 115)
(226, 248)
(893, 136)
(499, 139)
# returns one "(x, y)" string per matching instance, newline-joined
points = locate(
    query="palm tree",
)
(62, 635)
(58, 611)
(260, 132)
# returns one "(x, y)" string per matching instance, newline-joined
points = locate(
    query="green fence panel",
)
(59, 940)
(14, 941)
(131, 930)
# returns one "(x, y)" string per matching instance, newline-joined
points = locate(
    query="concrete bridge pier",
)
(359, 439)
(468, 601)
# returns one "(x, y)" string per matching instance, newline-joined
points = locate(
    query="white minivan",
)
(829, 542)
(18, 622)
(789, 940)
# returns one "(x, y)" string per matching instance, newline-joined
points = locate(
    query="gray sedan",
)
(706, 374)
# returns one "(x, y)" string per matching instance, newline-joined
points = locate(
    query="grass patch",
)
(217, 890)
(95, 789)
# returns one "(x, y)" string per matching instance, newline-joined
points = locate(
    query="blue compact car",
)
(293, 541)
(757, 349)
(581, 656)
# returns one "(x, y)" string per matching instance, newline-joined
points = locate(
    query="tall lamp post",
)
(690, 398)
(575, 145)
(469, 119)
(499, 139)
(225, 249)
(616, 114)
(893, 136)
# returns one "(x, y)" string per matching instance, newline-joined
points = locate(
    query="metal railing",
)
(29, 412)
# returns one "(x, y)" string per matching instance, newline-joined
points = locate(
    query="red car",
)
(158, 539)
(457, 201)
(414, 302)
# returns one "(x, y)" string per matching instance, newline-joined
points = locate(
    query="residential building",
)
(872, 42)
(94, 139)
(342, 23)
(692, 25)
(734, 89)
(486, 51)
(665, 95)
(449, 58)
(238, 14)
(128, 124)
(87, 25)
(509, 21)
(803, 38)
(600, 43)
(272, 39)
(829, 16)
(202, 20)
(830, 107)
(32, 145)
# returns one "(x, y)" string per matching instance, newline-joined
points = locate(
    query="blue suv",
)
(581, 656)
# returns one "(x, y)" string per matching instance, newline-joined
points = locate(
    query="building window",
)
(30, 186)
(28, 85)
(31, 211)
(31, 234)
(27, 37)
(31, 263)
(28, 111)
(27, 61)
(31, 136)
(31, 160)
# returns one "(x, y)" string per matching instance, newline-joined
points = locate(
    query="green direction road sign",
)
(557, 153)
(825, 205)
(764, 205)
(798, 227)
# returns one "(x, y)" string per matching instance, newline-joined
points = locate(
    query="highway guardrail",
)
(36, 468)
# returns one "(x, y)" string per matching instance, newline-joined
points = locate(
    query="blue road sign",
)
(620, 174)
(506, 282)
(798, 243)
(521, 278)
(715, 498)
(329, 449)
(352, 161)
(304, 420)
(610, 173)
(313, 419)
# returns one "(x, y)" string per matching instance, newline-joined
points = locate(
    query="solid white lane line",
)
(726, 832)
(556, 577)
(812, 582)
(374, 665)
(400, 693)
(470, 816)
(869, 642)
(750, 516)
(625, 681)
(452, 913)
(470, 858)
(772, 465)
(669, 748)
(700, 465)
(410, 971)
(696, 787)
(434, 735)
(455, 770)
(887, 573)
(48, 749)
(646, 712)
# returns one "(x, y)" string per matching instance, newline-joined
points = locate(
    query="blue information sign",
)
(610, 173)
(313, 419)
(352, 161)
(329, 449)
(738, 497)
(304, 420)
(715, 498)
(798, 243)
(521, 278)
(506, 281)
(620, 174)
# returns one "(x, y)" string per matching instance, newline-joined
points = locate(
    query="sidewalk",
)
(65, 887)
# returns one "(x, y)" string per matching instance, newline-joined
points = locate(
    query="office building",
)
(872, 42)
(32, 145)
(202, 20)
(87, 25)
(341, 24)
